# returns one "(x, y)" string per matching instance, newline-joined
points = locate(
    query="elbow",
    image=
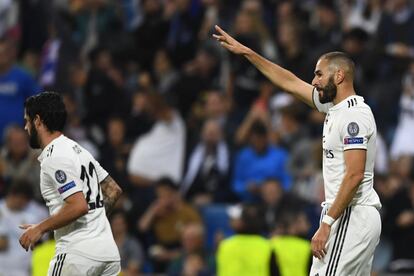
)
(83, 209)
(118, 192)
(357, 178)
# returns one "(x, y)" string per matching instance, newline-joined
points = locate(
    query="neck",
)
(344, 92)
(48, 137)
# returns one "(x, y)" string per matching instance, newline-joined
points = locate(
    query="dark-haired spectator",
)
(115, 152)
(104, 96)
(198, 74)
(259, 161)
(160, 152)
(165, 74)
(400, 222)
(206, 179)
(15, 86)
(402, 141)
(274, 202)
(235, 255)
(74, 128)
(165, 218)
(291, 250)
(295, 139)
(185, 22)
(19, 161)
(151, 33)
(193, 258)
(132, 255)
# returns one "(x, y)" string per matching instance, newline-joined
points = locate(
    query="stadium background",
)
(190, 131)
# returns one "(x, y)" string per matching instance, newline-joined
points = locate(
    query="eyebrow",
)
(317, 72)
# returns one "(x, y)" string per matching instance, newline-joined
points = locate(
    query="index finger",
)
(220, 30)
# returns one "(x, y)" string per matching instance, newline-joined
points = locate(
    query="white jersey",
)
(349, 124)
(67, 168)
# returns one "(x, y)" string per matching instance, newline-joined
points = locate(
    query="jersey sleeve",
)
(320, 106)
(100, 171)
(355, 131)
(63, 173)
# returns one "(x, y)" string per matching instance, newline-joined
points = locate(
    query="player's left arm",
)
(74, 207)
(111, 192)
(355, 167)
(354, 174)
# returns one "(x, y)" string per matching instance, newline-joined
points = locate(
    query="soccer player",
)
(350, 226)
(78, 192)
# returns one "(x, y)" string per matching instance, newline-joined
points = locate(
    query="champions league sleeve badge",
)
(353, 129)
(60, 176)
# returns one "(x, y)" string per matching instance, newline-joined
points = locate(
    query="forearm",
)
(111, 193)
(275, 73)
(345, 195)
(67, 214)
(146, 220)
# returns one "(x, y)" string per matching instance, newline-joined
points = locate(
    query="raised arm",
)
(111, 192)
(279, 76)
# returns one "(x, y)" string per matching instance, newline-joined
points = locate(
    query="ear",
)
(37, 121)
(339, 76)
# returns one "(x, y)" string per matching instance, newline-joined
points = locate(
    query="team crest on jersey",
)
(353, 129)
(60, 176)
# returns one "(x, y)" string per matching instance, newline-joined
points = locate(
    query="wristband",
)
(328, 220)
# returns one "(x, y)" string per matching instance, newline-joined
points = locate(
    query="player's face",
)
(32, 132)
(328, 92)
(324, 82)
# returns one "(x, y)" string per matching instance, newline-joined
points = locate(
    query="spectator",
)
(132, 255)
(275, 202)
(206, 178)
(159, 152)
(364, 14)
(15, 86)
(235, 255)
(151, 34)
(400, 211)
(259, 161)
(294, 138)
(292, 252)
(19, 161)
(182, 38)
(402, 142)
(115, 152)
(103, 91)
(16, 209)
(193, 256)
(166, 217)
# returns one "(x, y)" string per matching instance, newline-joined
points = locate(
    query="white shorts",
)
(68, 264)
(351, 243)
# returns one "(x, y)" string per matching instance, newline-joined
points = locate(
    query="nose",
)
(315, 81)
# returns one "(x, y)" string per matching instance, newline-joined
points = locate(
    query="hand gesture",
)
(30, 236)
(229, 42)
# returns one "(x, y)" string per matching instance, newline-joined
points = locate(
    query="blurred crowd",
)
(214, 160)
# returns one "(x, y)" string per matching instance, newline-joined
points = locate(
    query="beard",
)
(34, 138)
(328, 92)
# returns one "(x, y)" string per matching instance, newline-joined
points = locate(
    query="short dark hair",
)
(20, 187)
(252, 220)
(340, 59)
(166, 182)
(50, 108)
(258, 128)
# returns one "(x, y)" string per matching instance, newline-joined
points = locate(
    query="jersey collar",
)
(344, 102)
(45, 150)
